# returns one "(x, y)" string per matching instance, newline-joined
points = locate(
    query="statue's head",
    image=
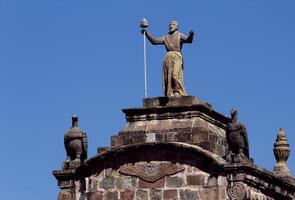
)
(233, 113)
(173, 26)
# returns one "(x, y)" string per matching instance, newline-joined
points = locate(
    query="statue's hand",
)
(142, 31)
(191, 33)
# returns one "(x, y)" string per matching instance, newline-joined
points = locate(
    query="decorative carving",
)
(237, 191)
(281, 150)
(76, 146)
(151, 172)
(65, 195)
(237, 139)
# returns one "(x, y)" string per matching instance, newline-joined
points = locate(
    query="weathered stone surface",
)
(195, 179)
(65, 195)
(174, 182)
(126, 182)
(127, 195)
(95, 195)
(212, 193)
(155, 194)
(170, 152)
(170, 194)
(191, 123)
(108, 183)
(157, 184)
(170, 101)
(141, 195)
(212, 181)
(150, 137)
(188, 195)
(111, 195)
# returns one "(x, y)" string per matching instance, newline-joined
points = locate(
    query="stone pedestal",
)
(66, 182)
(178, 119)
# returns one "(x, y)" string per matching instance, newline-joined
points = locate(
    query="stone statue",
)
(76, 145)
(172, 79)
(237, 139)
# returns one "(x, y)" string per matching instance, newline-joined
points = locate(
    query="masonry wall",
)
(190, 183)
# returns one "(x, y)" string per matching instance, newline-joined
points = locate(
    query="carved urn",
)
(281, 150)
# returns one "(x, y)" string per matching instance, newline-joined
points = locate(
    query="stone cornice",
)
(178, 112)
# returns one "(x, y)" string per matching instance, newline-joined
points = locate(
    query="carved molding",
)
(237, 191)
(151, 172)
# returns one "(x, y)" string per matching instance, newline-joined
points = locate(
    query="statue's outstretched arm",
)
(188, 39)
(153, 40)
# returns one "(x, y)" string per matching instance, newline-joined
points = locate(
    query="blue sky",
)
(62, 57)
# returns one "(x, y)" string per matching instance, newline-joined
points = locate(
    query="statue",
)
(76, 145)
(237, 139)
(172, 79)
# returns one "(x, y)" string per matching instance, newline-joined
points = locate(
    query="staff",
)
(144, 25)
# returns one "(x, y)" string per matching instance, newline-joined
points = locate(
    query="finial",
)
(144, 23)
(74, 121)
(281, 150)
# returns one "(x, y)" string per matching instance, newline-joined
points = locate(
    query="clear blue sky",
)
(64, 57)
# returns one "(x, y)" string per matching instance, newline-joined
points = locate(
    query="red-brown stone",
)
(127, 195)
(111, 195)
(169, 194)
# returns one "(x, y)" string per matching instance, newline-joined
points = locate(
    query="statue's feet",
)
(240, 158)
(66, 164)
(229, 157)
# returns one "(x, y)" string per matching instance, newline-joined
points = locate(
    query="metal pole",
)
(145, 68)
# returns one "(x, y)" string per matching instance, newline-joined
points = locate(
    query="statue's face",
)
(173, 26)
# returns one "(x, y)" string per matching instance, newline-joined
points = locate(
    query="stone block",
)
(199, 135)
(222, 181)
(200, 124)
(95, 196)
(158, 125)
(195, 179)
(108, 183)
(155, 194)
(212, 181)
(170, 137)
(150, 137)
(141, 195)
(213, 193)
(124, 182)
(188, 195)
(161, 137)
(170, 194)
(181, 124)
(111, 196)
(157, 184)
(127, 195)
(184, 137)
(174, 182)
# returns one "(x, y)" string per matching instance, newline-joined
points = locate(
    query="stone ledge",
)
(172, 101)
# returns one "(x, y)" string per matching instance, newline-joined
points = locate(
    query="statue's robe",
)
(172, 76)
